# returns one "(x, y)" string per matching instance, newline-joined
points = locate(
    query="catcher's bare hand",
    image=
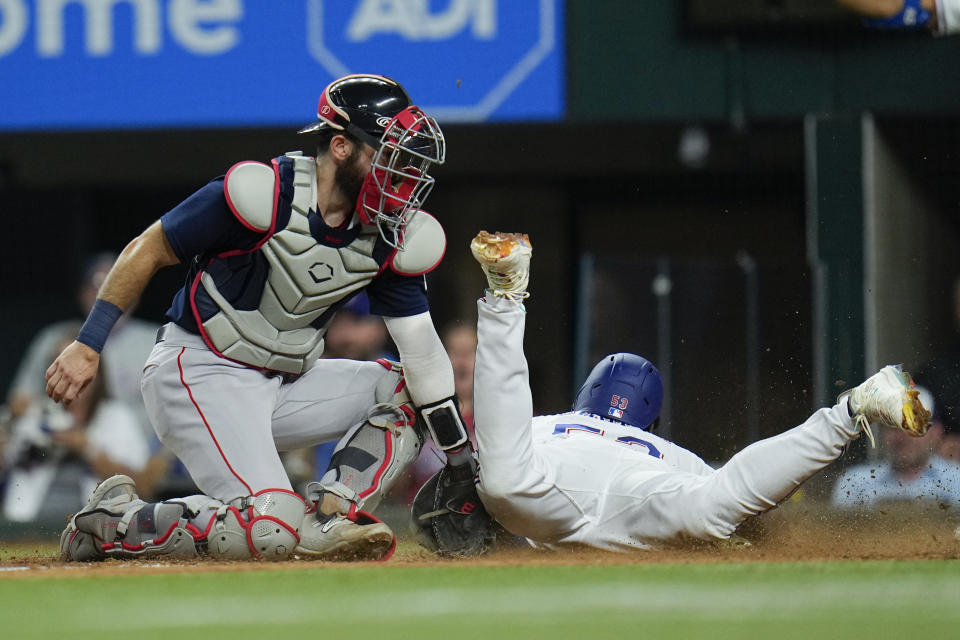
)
(71, 372)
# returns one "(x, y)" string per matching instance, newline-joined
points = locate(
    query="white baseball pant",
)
(227, 422)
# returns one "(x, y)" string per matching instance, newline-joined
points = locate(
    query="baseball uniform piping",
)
(207, 424)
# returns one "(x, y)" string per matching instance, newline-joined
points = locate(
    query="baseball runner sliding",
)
(596, 475)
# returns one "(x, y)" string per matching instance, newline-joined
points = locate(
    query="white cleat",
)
(888, 398)
(505, 260)
(339, 538)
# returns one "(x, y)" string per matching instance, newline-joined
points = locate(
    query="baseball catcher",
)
(273, 251)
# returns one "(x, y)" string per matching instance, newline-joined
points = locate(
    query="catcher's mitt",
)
(448, 516)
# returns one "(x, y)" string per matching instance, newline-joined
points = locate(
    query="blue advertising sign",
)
(101, 64)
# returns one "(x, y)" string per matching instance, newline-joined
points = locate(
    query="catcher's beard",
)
(348, 177)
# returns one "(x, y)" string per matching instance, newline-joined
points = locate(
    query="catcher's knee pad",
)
(274, 528)
(265, 525)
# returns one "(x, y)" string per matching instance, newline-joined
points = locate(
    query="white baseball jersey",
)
(574, 478)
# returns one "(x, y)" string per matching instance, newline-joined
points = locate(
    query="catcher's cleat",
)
(112, 494)
(888, 398)
(505, 260)
(340, 539)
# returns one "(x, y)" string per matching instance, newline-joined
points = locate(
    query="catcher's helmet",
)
(361, 104)
(622, 387)
(378, 111)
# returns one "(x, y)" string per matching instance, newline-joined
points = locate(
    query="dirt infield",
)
(789, 534)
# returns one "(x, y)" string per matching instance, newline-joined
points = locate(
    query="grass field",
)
(744, 600)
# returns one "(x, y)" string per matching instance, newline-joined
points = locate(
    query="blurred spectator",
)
(910, 471)
(942, 376)
(56, 455)
(124, 355)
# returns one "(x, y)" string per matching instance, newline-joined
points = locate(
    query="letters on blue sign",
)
(167, 63)
(202, 27)
(414, 20)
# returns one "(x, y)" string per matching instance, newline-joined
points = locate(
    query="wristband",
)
(445, 424)
(97, 327)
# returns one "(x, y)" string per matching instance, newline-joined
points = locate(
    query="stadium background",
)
(762, 199)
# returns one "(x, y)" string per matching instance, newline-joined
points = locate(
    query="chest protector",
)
(268, 307)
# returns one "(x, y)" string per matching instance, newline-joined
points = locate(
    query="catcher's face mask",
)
(399, 180)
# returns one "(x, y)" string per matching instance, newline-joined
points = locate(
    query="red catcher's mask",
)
(399, 180)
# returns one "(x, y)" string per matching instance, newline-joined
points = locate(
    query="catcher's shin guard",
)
(144, 530)
(117, 524)
(371, 456)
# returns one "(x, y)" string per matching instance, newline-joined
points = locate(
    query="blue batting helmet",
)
(622, 387)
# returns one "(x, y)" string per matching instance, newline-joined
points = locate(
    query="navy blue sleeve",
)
(397, 296)
(203, 223)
